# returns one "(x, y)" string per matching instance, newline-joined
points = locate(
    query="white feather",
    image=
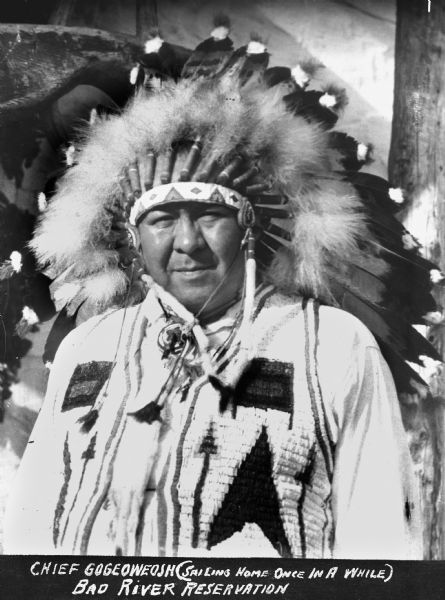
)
(134, 74)
(70, 153)
(328, 100)
(93, 116)
(254, 47)
(436, 276)
(396, 195)
(42, 202)
(220, 33)
(66, 292)
(300, 76)
(16, 261)
(153, 45)
(362, 152)
(29, 315)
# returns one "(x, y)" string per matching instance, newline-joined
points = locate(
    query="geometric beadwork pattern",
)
(252, 498)
(266, 384)
(85, 384)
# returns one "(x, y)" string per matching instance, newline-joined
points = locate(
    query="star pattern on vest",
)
(252, 498)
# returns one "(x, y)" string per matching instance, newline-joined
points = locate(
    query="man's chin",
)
(193, 305)
(192, 298)
(194, 288)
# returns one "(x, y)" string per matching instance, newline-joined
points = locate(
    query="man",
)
(225, 413)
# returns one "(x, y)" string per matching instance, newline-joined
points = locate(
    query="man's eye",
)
(161, 221)
(210, 215)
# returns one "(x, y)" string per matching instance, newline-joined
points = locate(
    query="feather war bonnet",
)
(224, 118)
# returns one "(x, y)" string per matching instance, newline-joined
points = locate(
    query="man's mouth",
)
(192, 269)
(193, 273)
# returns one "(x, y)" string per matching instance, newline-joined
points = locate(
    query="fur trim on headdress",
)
(286, 148)
(326, 232)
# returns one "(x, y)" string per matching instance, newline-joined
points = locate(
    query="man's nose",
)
(188, 235)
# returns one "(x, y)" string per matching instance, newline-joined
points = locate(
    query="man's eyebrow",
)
(210, 207)
(162, 211)
(195, 210)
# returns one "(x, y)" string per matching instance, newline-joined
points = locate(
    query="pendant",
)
(173, 339)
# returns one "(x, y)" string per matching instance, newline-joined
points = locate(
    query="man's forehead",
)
(190, 206)
(184, 193)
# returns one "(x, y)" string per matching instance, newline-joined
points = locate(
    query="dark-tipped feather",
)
(387, 326)
(307, 105)
(148, 414)
(210, 56)
(61, 327)
(88, 421)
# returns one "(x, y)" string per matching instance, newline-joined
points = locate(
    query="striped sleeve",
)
(375, 498)
(30, 511)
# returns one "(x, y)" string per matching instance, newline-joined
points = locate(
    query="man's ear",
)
(133, 234)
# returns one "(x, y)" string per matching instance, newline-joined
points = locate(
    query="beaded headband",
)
(190, 191)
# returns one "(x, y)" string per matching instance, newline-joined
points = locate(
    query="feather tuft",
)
(65, 293)
(363, 151)
(340, 95)
(22, 329)
(220, 33)
(134, 75)
(436, 276)
(27, 322)
(103, 286)
(300, 76)
(70, 155)
(153, 45)
(328, 100)
(327, 228)
(42, 202)
(396, 195)
(6, 270)
(255, 47)
(16, 261)
(30, 316)
(11, 266)
(93, 116)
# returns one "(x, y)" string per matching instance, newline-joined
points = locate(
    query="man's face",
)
(188, 248)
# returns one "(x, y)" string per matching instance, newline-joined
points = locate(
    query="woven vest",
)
(254, 478)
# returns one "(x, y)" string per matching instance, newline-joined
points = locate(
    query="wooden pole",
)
(416, 164)
(146, 18)
(62, 12)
